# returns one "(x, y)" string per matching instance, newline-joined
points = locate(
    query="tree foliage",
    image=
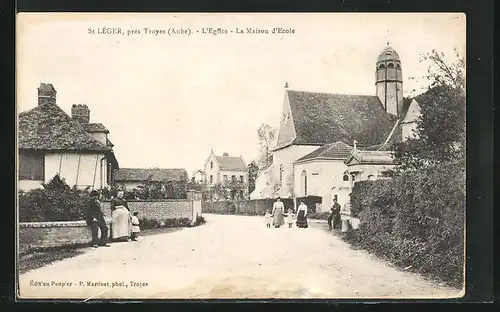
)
(253, 172)
(441, 127)
(267, 137)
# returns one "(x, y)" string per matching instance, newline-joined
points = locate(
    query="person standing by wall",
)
(96, 221)
(278, 213)
(121, 224)
(334, 218)
(302, 216)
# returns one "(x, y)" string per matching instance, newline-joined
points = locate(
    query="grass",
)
(40, 257)
(37, 258)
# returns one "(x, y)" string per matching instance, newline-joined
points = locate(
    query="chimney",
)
(46, 94)
(225, 154)
(80, 113)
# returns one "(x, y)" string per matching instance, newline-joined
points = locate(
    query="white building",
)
(319, 132)
(225, 170)
(50, 143)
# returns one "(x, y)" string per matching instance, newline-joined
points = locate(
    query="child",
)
(268, 217)
(289, 217)
(135, 226)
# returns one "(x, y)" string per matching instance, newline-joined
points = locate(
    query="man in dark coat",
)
(334, 217)
(96, 221)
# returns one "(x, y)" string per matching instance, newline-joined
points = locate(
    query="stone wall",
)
(53, 234)
(159, 210)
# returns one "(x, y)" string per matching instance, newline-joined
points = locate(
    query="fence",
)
(244, 207)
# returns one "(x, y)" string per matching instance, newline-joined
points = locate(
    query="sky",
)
(167, 100)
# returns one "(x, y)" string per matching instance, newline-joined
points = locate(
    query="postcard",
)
(240, 155)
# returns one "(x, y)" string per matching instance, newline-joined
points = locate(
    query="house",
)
(50, 142)
(173, 181)
(322, 136)
(230, 171)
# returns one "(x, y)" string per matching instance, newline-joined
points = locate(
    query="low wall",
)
(53, 234)
(60, 233)
(159, 210)
(244, 207)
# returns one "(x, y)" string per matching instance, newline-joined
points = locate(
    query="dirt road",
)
(228, 257)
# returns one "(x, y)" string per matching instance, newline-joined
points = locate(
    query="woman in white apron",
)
(121, 226)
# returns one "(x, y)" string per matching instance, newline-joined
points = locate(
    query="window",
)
(211, 165)
(211, 179)
(241, 194)
(31, 166)
(282, 169)
(353, 178)
(225, 178)
(304, 182)
(398, 66)
(233, 178)
(241, 179)
(390, 65)
(345, 177)
(381, 66)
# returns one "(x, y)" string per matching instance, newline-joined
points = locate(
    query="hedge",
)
(56, 201)
(416, 219)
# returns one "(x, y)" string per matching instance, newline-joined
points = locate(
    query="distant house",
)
(173, 180)
(50, 143)
(227, 170)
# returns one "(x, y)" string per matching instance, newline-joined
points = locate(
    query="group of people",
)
(124, 225)
(278, 214)
(276, 217)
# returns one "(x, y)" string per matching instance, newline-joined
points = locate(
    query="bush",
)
(416, 219)
(56, 201)
(199, 220)
(147, 224)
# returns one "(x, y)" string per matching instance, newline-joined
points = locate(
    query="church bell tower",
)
(389, 81)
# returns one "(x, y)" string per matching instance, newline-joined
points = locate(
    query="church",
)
(327, 141)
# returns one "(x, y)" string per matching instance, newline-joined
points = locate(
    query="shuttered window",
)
(31, 166)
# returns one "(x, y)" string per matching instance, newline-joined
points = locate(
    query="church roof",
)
(48, 127)
(231, 163)
(322, 118)
(337, 150)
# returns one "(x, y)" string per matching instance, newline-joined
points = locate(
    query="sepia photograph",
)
(240, 155)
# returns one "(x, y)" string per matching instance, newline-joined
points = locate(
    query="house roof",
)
(370, 157)
(95, 127)
(155, 174)
(321, 118)
(231, 163)
(337, 150)
(48, 127)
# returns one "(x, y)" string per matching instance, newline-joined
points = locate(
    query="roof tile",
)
(322, 118)
(337, 150)
(48, 127)
(231, 163)
(154, 174)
